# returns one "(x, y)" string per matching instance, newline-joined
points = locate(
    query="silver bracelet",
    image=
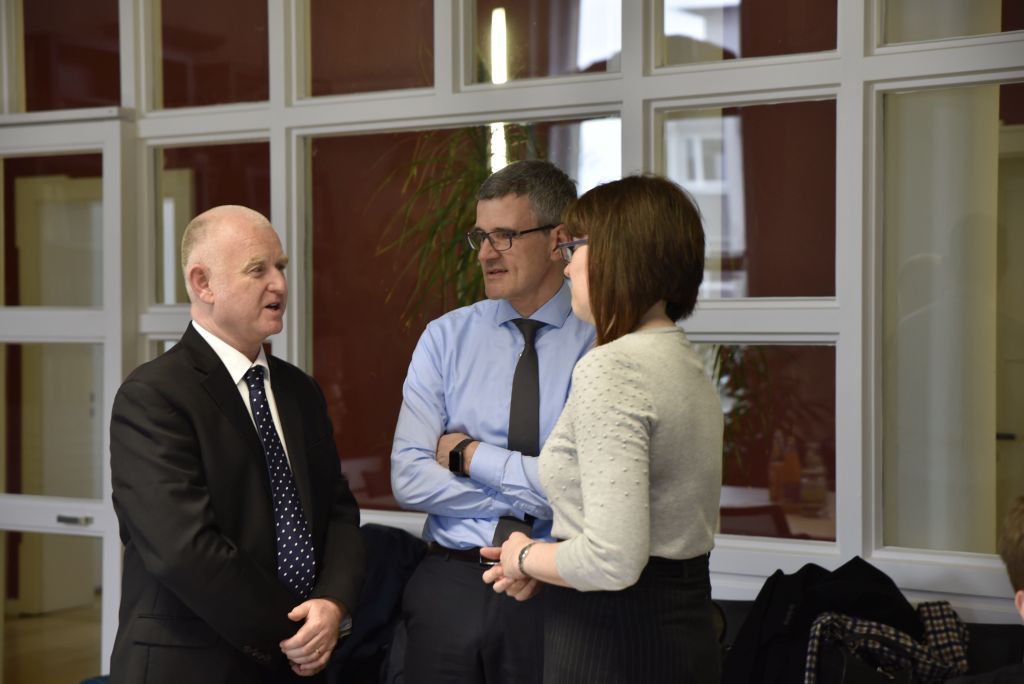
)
(523, 552)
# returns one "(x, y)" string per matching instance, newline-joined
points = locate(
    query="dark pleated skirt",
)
(658, 630)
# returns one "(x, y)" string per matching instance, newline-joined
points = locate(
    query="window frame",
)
(856, 74)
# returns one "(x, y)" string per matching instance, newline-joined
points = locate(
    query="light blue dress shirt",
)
(460, 380)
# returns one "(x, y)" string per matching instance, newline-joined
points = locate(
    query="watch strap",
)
(455, 459)
(345, 628)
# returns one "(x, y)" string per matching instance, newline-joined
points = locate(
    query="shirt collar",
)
(554, 312)
(236, 363)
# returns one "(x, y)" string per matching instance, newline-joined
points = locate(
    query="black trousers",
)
(658, 630)
(460, 631)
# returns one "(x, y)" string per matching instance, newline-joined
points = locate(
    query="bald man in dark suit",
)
(216, 505)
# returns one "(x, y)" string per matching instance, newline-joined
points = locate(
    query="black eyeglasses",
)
(500, 239)
(569, 248)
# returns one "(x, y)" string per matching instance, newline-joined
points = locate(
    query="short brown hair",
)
(646, 244)
(1011, 544)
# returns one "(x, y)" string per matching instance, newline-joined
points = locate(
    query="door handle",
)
(74, 519)
(1006, 437)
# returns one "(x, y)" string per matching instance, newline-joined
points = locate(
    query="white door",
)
(62, 358)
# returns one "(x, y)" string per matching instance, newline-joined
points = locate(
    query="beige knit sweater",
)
(633, 468)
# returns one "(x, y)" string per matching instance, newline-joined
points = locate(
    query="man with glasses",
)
(484, 388)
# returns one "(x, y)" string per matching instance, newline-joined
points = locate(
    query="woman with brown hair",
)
(633, 467)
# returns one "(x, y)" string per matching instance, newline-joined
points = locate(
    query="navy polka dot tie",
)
(296, 563)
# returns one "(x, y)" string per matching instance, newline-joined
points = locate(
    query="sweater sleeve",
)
(612, 421)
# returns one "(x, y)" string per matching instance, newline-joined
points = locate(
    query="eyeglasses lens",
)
(501, 240)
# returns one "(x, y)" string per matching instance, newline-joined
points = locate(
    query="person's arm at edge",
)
(512, 473)
(418, 481)
(614, 545)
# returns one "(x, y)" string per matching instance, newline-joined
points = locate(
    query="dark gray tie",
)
(296, 562)
(524, 411)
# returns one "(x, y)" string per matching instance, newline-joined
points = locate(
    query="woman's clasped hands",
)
(505, 577)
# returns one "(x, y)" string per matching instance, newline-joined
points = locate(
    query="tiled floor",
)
(62, 647)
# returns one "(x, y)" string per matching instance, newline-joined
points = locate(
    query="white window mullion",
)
(280, 54)
(853, 503)
(636, 151)
(131, 59)
(450, 53)
(283, 52)
(12, 85)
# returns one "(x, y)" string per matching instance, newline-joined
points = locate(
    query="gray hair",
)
(550, 190)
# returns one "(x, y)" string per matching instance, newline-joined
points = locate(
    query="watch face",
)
(455, 461)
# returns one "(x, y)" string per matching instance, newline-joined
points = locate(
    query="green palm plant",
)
(758, 398)
(439, 206)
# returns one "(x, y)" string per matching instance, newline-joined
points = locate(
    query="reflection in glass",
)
(158, 347)
(358, 47)
(71, 54)
(190, 180)
(907, 21)
(546, 38)
(51, 625)
(714, 30)
(764, 179)
(953, 315)
(369, 248)
(52, 417)
(779, 454)
(53, 231)
(213, 53)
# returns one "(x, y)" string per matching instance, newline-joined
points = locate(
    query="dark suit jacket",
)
(200, 597)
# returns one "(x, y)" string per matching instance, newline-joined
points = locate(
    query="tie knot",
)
(254, 377)
(528, 327)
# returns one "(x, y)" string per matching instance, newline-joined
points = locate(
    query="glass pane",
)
(191, 180)
(953, 315)
(71, 54)
(51, 625)
(370, 299)
(764, 177)
(158, 347)
(778, 474)
(53, 231)
(519, 40)
(357, 47)
(714, 30)
(907, 21)
(213, 52)
(52, 418)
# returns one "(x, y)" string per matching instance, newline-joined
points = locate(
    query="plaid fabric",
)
(942, 655)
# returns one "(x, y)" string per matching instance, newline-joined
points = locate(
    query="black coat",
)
(771, 646)
(200, 597)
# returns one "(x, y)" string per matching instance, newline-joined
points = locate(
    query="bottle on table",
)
(813, 485)
(775, 467)
(791, 477)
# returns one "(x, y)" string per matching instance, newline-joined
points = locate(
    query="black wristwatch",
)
(455, 459)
